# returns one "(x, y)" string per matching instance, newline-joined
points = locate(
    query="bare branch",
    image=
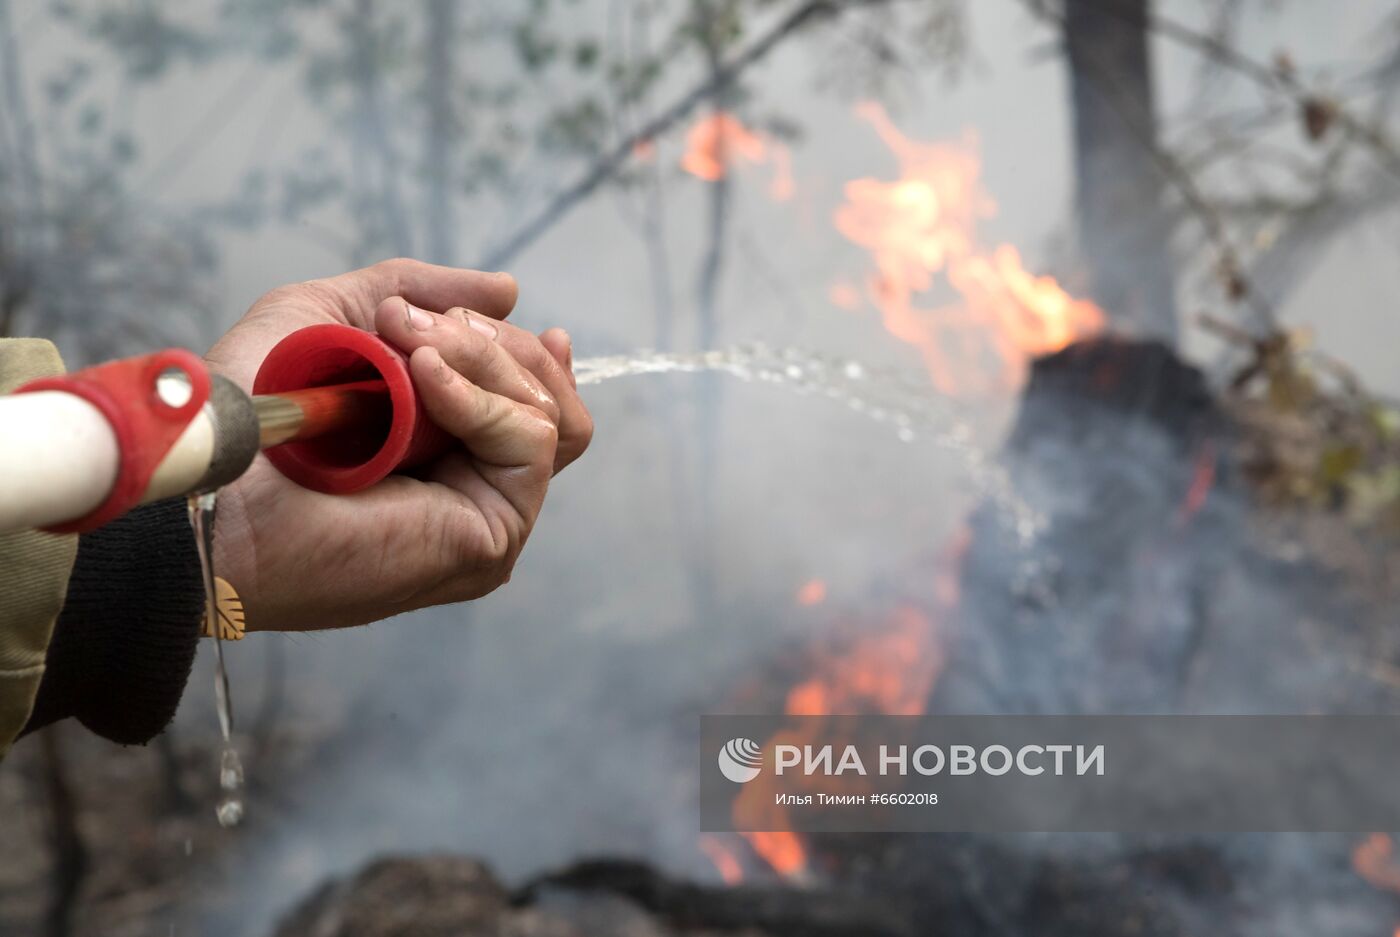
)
(613, 160)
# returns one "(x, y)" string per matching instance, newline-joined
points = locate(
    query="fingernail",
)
(418, 320)
(482, 324)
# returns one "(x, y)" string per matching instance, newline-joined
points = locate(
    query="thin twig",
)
(610, 162)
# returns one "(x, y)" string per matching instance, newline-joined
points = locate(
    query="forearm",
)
(125, 641)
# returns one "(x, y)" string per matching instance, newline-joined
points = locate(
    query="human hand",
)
(301, 559)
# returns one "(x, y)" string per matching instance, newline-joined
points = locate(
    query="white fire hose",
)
(61, 456)
(335, 406)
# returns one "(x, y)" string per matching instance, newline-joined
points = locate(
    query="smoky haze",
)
(557, 718)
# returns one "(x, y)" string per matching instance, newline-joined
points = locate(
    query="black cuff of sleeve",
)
(125, 641)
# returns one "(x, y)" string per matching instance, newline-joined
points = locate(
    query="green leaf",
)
(1338, 462)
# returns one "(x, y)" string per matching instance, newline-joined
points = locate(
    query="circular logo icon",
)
(740, 760)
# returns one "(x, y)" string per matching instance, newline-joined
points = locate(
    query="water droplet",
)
(202, 509)
(230, 771)
(230, 812)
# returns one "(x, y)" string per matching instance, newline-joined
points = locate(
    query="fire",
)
(726, 862)
(890, 672)
(813, 592)
(889, 669)
(719, 142)
(783, 851)
(922, 226)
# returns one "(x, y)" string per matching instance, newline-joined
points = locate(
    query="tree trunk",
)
(374, 147)
(69, 852)
(704, 574)
(1124, 232)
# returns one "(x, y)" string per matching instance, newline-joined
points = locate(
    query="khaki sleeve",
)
(34, 568)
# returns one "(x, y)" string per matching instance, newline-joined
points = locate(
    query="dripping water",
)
(906, 405)
(230, 809)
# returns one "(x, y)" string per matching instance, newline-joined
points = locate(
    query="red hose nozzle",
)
(361, 436)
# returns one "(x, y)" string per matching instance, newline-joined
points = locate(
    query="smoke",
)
(556, 718)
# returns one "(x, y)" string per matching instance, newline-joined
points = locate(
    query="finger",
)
(513, 443)
(574, 422)
(491, 528)
(559, 344)
(430, 286)
(468, 349)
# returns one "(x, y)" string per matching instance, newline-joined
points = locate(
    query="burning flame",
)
(731, 871)
(719, 142)
(783, 851)
(922, 226)
(890, 670)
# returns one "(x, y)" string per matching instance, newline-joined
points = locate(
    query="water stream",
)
(909, 405)
(202, 509)
(905, 404)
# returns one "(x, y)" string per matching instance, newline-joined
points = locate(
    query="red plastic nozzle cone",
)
(351, 459)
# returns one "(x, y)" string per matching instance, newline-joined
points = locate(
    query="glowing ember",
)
(813, 592)
(1202, 480)
(922, 226)
(726, 862)
(719, 142)
(716, 144)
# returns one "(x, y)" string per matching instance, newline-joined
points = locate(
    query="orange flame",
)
(719, 142)
(891, 670)
(726, 862)
(888, 672)
(783, 851)
(923, 225)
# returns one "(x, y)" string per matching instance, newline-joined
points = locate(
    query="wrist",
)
(125, 640)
